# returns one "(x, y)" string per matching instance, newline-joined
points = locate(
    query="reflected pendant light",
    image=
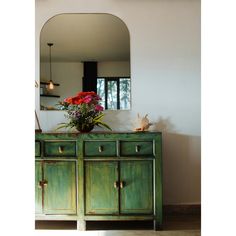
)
(51, 85)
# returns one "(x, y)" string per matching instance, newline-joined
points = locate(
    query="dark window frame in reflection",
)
(104, 93)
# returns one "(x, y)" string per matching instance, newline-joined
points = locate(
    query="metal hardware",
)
(51, 85)
(122, 184)
(116, 184)
(39, 184)
(137, 148)
(100, 148)
(42, 183)
(60, 149)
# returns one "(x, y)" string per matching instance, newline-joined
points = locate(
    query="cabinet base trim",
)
(120, 218)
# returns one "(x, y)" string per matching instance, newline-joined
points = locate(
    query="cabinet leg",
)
(81, 225)
(157, 225)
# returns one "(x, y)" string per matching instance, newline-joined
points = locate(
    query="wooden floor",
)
(176, 225)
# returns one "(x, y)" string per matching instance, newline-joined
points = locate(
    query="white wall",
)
(165, 71)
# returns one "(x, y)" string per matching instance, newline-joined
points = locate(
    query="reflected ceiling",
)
(85, 37)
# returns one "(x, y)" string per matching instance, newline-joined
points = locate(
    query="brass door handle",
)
(116, 184)
(122, 184)
(42, 183)
(60, 149)
(39, 184)
(45, 183)
(137, 148)
(100, 148)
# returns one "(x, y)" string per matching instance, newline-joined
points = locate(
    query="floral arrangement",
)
(84, 112)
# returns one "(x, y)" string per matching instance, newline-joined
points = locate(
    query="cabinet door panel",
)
(38, 189)
(137, 192)
(101, 195)
(60, 192)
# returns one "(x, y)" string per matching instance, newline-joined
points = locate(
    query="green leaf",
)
(98, 117)
(105, 125)
(62, 125)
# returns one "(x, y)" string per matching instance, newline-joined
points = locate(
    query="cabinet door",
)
(60, 191)
(136, 194)
(101, 193)
(38, 188)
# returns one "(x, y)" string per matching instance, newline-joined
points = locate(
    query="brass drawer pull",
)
(100, 148)
(137, 148)
(60, 149)
(45, 183)
(116, 184)
(122, 184)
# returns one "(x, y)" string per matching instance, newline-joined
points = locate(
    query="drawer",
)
(136, 148)
(100, 149)
(37, 148)
(60, 148)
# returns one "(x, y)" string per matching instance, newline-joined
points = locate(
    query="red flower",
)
(83, 97)
(77, 100)
(84, 94)
(68, 100)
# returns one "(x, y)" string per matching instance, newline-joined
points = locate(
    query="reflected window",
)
(101, 90)
(114, 92)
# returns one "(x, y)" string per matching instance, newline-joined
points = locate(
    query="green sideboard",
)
(98, 176)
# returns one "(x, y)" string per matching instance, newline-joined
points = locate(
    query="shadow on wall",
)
(181, 165)
(119, 120)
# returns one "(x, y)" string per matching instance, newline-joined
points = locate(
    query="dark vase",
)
(84, 128)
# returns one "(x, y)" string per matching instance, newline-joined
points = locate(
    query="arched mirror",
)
(85, 52)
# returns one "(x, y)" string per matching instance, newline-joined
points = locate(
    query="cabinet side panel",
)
(158, 182)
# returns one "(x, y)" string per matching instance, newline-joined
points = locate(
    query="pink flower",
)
(97, 97)
(87, 99)
(98, 108)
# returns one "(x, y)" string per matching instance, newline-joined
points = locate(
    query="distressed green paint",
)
(81, 195)
(118, 217)
(137, 193)
(60, 192)
(121, 155)
(38, 188)
(101, 196)
(37, 148)
(99, 148)
(136, 148)
(60, 149)
(158, 183)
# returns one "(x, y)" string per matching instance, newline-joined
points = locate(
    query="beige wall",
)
(68, 74)
(165, 71)
(113, 68)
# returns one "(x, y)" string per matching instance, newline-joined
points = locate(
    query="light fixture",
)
(51, 85)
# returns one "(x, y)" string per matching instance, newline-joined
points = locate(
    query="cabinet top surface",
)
(103, 132)
(97, 134)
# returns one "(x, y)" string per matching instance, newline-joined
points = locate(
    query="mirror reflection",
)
(85, 52)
